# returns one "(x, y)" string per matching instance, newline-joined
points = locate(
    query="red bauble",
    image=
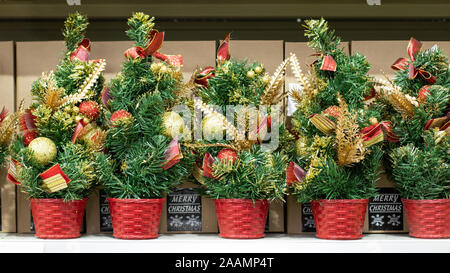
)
(90, 109)
(28, 136)
(119, 115)
(227, 154)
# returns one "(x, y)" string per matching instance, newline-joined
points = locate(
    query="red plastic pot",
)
(428, 218)
(241, 218)
(56, 218)
(341, 219)
(135, 218)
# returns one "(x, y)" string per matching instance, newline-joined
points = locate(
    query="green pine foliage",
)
(56, 115)
(146, 90)
(77, 162)
(419, 163)
(254, 175)
(236, 83)
(422, 173)
(331, 171)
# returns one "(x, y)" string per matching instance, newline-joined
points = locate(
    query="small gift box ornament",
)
(54, 179)
(12, 171)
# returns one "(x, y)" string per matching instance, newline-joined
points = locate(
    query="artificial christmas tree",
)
(337, 128)
(241, 172)
(420, 99)
(145, 159)
(54, 161)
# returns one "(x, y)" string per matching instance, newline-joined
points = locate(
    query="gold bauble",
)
(266, 79)
(373, 120)
(163, 69)
(212, 127)
(251, 74)
(44, 150)
(173, 124)
(258, 69)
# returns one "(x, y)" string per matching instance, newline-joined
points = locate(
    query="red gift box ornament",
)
(13, 167)
(82, 52)
(414, 47)
(328, 63)
(173, 154)
(54, 179)
(294, 173)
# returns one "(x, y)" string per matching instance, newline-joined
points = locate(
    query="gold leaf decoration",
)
(274, 91)
(350, 146)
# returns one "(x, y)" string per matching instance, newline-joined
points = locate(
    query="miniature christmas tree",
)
(237, 165)
(338, 124)
(420, 98)
(62, 129)
(145, 160)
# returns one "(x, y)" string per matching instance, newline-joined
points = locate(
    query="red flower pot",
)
(135, 218)
(56, 218)
(341, 219)
(241, 218)
(428, 218)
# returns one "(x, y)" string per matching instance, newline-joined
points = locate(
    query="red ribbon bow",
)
(414, 47)
(155, 42)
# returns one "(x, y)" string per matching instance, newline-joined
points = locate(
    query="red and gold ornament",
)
(227, 154)
(120, 116)
(90, 109)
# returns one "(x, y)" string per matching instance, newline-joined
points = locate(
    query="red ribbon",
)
(173, 154)
(3, 114)
(223, 53)
(390, 136)
(414, 47)
(294, 173)
(155, 42)
(208, 161)
(202, 77)
(82, 52)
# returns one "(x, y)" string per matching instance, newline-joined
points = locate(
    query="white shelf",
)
(212, 243)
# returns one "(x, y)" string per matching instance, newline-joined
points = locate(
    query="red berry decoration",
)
(90, 109)
(119, 116)
(28, 136)
(227, 154)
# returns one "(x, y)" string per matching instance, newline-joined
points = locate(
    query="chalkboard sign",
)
(308, 224)
(184, 210)
(31, 223)
(267, 226)
(386, 211)
(105, 217)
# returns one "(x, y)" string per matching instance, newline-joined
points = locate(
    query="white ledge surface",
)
(212, 243)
